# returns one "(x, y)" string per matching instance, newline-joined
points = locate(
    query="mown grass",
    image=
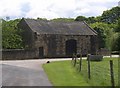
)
(62, 73)
(100, 72)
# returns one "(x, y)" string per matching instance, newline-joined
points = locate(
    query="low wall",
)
(95, 57)
(104, 52)
(18, 54)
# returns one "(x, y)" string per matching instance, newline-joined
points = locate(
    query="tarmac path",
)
(25, 72)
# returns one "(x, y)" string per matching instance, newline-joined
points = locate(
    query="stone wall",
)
(18, 54)
(28, 35)
(104, 52)
(54, 44)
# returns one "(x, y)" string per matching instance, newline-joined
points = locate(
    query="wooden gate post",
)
(89, 76)
(73, 56)
(75, 61)
(112, 74)
(80, 62)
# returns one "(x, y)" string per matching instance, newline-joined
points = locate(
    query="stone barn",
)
(58, 39)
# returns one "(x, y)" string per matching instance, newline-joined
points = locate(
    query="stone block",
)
(95, 57)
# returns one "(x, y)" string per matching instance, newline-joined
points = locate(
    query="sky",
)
(51, 9)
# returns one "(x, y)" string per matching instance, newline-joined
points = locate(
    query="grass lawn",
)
(100, 72)
(62, 73)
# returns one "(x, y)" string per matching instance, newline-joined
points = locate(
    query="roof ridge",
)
(90, 27)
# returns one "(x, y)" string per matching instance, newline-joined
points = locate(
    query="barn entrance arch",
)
(71, 47)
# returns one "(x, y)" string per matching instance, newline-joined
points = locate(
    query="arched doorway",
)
(71, 47)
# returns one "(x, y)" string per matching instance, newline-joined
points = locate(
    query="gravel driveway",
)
(25, 72)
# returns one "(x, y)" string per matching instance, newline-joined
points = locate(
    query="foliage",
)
(116, 42)
(111, 16)
(11, 37)
(81, 18)
(106, 26)
(63, 19)
(117, 29)
(91, 19)
(104, 33)
(116, 37)
(108, 16)
(88, 20)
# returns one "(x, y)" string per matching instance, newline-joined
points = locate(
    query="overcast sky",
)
(54, 8)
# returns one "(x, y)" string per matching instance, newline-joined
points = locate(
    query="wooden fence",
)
(77, 63)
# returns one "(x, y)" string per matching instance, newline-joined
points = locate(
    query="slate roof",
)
(66, 28)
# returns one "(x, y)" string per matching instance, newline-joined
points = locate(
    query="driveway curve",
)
(25, 72)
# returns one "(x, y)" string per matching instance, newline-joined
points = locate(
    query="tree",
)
(63, 19)
(81, 18)
(11, 37)
(117, 29)
(111, 16)
(91, 20)
(105, 31)
(116, 37)
(115, 45)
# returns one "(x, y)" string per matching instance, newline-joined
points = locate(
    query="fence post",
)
(112, 74)
(75, 60)
(72, 58)
(88, 67)
(80, 62)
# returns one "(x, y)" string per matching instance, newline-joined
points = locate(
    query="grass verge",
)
(62, 73)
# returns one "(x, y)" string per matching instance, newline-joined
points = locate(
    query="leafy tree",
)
(115, 44)
(108, 16)
(98, 19)
(81, 18)
(11, 37)
(63, 19)
(105, 31)
(117, 29)
(111, 16)
(91, 20)
(116, 37)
